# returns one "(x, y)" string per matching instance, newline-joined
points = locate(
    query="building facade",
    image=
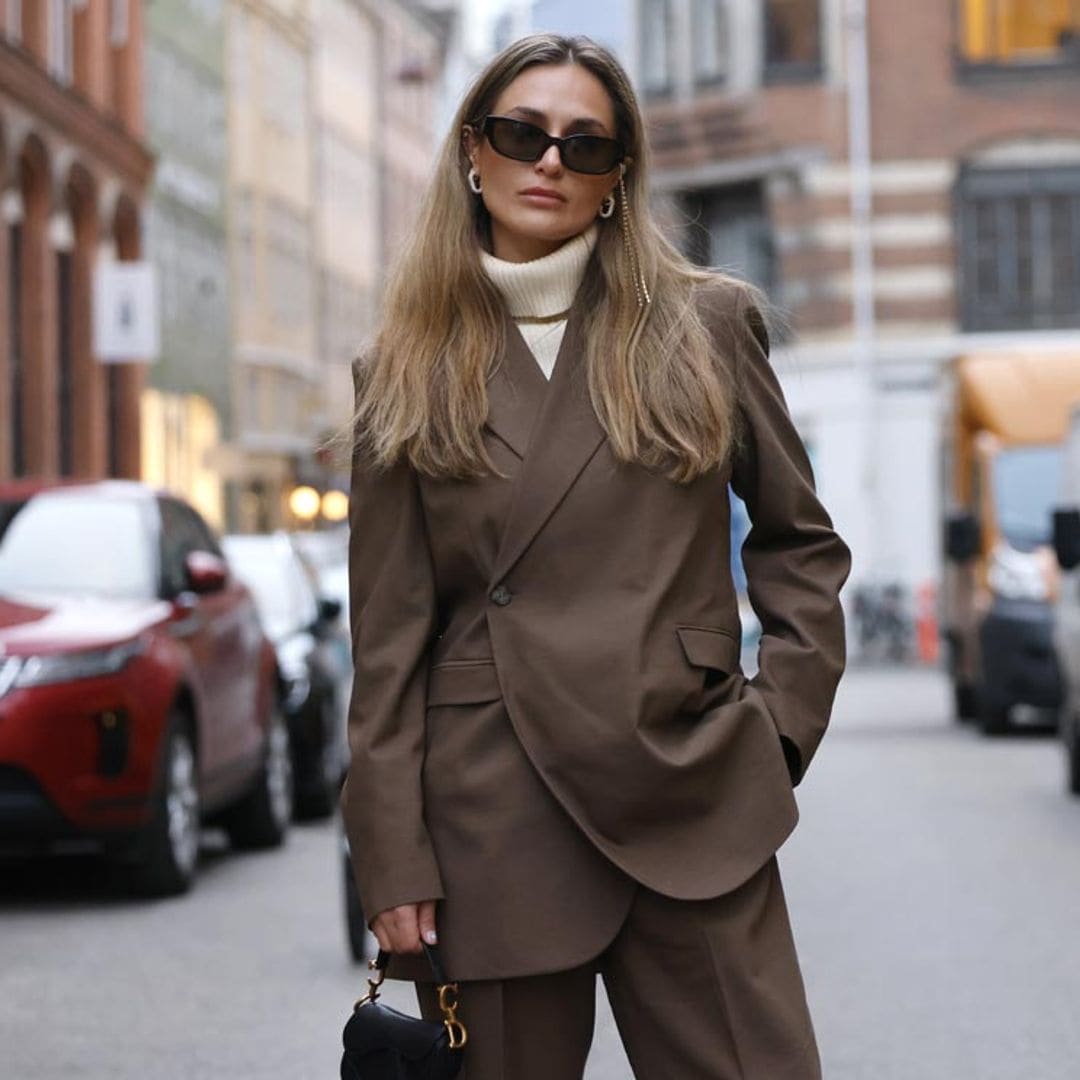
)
(348, 240)
(187, 406)
(273, 281)
(411, 58)
(902, 180)
(75, 171)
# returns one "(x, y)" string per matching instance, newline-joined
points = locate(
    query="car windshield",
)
(77, 544)
(1026, 483)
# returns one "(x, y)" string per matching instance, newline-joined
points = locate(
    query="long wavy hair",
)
(653, 377)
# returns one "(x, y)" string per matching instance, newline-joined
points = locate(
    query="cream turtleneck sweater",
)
(539, 293)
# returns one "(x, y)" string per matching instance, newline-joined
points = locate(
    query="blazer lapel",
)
(516, 390)
(564, 436)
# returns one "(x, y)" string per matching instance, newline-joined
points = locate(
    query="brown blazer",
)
(548, 704)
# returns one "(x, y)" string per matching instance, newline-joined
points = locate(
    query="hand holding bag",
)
(384, 1044)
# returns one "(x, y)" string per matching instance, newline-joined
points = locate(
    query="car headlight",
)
(1017, 575)
(85, 664)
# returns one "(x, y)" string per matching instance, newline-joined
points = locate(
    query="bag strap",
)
(434, 959)
(448, 992)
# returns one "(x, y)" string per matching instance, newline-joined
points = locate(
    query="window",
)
(182, 532)
(113, 406)
(792, 40)
(115, 558)
(13, 19)
(240, 62)
(732, 231)
(1026, 484)
(118, 23)
(243, 210)
(1019, 32)
(288, 263)
(283, 84)
(1019, 248)
(15, 365)
(61, 48)
(710, 41)
(656, 46)
(65, 376)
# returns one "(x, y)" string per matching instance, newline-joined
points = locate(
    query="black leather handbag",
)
(384, 1044)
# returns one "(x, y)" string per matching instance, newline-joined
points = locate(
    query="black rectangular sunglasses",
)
(522, 141)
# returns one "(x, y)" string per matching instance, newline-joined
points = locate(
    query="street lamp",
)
(304, 503)
(335, 505)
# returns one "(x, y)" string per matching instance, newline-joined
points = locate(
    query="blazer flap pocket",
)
(710, 648)
(463, 682)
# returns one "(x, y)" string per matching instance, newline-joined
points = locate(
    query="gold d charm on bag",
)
(448, 1005)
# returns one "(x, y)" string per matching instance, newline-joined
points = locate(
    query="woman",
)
(558, 767)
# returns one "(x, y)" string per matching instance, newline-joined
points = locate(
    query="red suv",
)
(138, 694)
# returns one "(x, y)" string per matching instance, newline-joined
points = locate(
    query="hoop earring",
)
(607, 207)
(641, 288)
(474, 182)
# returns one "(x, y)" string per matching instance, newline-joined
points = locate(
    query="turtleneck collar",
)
(543, 287)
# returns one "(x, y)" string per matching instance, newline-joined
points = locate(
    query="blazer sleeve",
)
(393, 617)
(795, 562)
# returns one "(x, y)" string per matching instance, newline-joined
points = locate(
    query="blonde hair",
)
(653, 378)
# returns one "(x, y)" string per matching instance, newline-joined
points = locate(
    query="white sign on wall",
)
(126, 323)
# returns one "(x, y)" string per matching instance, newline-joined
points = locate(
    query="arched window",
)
(61, 39)
(118, 23)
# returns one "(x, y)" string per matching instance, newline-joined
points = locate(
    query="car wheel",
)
(1072, 752)
(993, 716)
(261, 819)
(965, 702)
(317, 797)
(167, 854)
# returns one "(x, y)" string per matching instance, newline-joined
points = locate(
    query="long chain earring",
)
(641, 288)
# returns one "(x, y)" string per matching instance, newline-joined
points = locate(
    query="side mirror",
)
(329, 609)
(1067, 537)
(205, 573)
(961, 536)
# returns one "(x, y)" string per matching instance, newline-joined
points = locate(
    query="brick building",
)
(929, 208)
(74, 172)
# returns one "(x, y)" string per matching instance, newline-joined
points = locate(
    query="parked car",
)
(1066, 633)
(137, 689)
(313, 658)
(327, 552)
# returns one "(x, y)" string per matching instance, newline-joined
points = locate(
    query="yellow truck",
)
(1009, 417)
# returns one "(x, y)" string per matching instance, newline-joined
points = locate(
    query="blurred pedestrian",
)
(558, 766)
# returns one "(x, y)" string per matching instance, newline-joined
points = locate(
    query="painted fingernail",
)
(429, 937)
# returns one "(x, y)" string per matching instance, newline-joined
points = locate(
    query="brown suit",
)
(548, 704)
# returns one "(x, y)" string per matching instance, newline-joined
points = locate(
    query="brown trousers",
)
(700, 990)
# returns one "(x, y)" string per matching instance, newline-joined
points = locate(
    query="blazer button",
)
(500, 595)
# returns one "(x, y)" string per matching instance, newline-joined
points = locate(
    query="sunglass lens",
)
(591, 154)
(516, 139)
